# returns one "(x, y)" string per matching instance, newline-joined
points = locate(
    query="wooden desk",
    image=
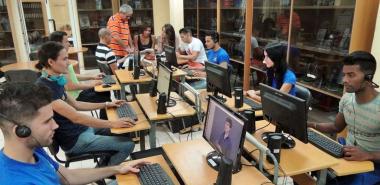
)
(28, 65)
(141, 125)
(352, 167)
(74, 50)
(301, 159)
(189, 159)
(114, 87)
(230, 102)
(125, 77)
(149, 106)
(132, 178)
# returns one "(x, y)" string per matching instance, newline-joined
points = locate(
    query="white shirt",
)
(195, 45)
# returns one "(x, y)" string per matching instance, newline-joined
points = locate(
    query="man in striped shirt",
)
(103, 53)
(121, 42)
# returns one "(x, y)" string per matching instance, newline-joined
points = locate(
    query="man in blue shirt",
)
(215, 53)
(26, 121)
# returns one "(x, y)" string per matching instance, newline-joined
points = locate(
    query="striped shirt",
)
(104, 54)
(363, 122)
(119, 28)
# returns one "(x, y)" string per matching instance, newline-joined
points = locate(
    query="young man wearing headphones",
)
(359, 111)
(77, 132)
(26, 121)
(216, 54)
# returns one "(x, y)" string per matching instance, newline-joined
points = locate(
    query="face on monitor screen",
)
(223, 130)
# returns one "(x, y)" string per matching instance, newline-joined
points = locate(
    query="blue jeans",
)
(103, 140)
(198, 84)
(368, 178)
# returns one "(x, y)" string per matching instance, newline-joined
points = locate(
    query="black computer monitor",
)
(171, 57)
(137, 59)
(164, 80)
(218, 80)
(225, 131)
(287, 112)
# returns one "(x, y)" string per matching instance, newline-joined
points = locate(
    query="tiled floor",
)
(165, 136)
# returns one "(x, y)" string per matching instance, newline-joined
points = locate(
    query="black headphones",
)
(22, 131)
(369, 77)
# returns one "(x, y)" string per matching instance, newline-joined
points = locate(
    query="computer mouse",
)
(106, 85)
(288, 143)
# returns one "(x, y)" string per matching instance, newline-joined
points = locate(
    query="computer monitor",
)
(218, 80)
(137, 59)
(171, 57)
(287, 112)
(164, 80)
(225, 131)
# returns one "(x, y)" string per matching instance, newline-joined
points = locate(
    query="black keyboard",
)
(125, 110)
(326, 144)
(253, 104)
(108, 79)
(153, 174)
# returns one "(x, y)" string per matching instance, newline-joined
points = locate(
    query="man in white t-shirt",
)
(191, 50)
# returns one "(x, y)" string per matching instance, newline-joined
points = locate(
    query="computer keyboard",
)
(108, 79)
(125, 110)
(153, 174)
(253, 104)
(326, 144)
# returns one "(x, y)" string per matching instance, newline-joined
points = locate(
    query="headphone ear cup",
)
(23, 131)
(368, 77)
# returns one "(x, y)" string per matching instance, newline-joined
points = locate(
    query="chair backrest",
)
(104, 68)
(24, 75)
(304, 93)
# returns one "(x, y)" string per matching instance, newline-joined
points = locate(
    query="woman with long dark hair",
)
(167, 37)
(279, 76)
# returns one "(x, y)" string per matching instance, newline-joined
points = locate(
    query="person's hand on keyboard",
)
(98, 76)
(354, 153)
(115, 103)
(123, 123)
(131, 167)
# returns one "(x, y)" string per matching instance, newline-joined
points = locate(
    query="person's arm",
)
(69, 112)
(82, 77)
(354, 153)
(286, 87)
(193, 56)
(153, 41)
(80, 86)
(113, 67)
(254, 95)
(335, 127)
(89, 175)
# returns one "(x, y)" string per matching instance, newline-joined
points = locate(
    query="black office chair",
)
(24, 75)
(304, 93)
(99, 157)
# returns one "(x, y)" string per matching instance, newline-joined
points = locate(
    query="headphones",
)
(60, 79)
(214, 36)
(22, 131)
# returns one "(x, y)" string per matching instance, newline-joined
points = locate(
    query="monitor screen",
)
(218, 79)
(171, 56)
(163, 80)
(287, 112)
(224, 130)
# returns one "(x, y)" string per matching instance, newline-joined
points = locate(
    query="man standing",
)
(26, 121)
(216, 54)
(358, 111)
(121, 42)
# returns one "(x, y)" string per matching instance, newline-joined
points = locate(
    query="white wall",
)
(161, 15)
(176, 14)
(376, 48)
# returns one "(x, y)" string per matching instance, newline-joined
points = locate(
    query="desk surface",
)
(230, 102)
(73, 50)
(149, 105)
(27, 65)
(189, 159)
(301, 159)
(132, 179)
(141, 124)
(114, 87)
(126, 77)
(176, 73)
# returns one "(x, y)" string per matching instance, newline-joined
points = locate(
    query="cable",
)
(262, 127)
(253, 151)
(250, 165)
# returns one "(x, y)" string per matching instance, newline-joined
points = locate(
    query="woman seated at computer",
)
(279, 76)
(168, 37)
(144, 40)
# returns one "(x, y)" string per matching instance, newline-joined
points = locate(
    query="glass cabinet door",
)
(7, 50)
(190, 15)
(142, 15)
(322, 41)
(207, 18)
(35, 22)
(93, 15)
